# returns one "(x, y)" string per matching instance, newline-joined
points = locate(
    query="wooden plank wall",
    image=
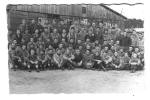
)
(95, 11)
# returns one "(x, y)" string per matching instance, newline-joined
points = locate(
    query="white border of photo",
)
(4, 84)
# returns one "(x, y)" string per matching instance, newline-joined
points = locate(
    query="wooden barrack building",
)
(90, 11)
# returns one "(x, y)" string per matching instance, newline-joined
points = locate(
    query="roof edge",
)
(114, 11)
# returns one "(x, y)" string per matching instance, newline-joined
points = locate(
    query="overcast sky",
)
(136, 11)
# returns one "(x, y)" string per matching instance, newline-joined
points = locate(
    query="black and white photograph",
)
(75, 48)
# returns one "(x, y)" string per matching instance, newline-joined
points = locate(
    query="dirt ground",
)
(76, 81)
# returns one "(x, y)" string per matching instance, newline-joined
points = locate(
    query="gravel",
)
(75, 81)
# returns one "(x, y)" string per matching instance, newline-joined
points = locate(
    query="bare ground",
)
(76, 81)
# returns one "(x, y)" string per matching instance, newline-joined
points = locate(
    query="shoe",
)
(37, 70)
(29, 71)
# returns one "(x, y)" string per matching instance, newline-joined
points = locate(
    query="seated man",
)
(77, 59)
(134, 62)
(98, 62)
(124, 65)
(58, 59)
(68, 56)
(42, 60)
(16, 58)
(33, 61)
(116, 60)
(88, 60)
(49, 54)
(107, 61)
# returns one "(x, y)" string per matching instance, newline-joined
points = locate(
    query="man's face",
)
(22, 40)
(61, 22)
(112, 47)
(40, 39)
(80, 47)
(54, 22)
(71, 40)
(32, 52)
(64, 31)
(36, 31)
(97, 29)
(33, 21)
(17, 47)
(41, 46)
(49, 46)
(55, 30)
(125, 33)
(117, 42)
(50, 51)
(121, 50)
(63, 40)
(96, 53)
(87, 52)
(55, 41)
(90, 32)
(134, 32)
(23, 21)
(126, 54)
(100, 24)
(134, 55)
(87, 47)
(77, 52)
(96, 42)
(79, 41)
(111, 41)
(48, 40)
(23, 47)
(26, 31)
(115, 53)
(130, 48)
(18, 31)
(14, 41)
(70, 47)
(87, 40)
(46, 30)
(72, 30)
(31, 39)
(136, 49)
(106, 48)
(58, 52)
(41, 52)
(60, 45)
(93, 24)
(105, 42)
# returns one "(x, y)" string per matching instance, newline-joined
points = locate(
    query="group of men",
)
(57, 45)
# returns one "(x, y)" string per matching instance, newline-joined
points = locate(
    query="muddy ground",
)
(76, 81)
